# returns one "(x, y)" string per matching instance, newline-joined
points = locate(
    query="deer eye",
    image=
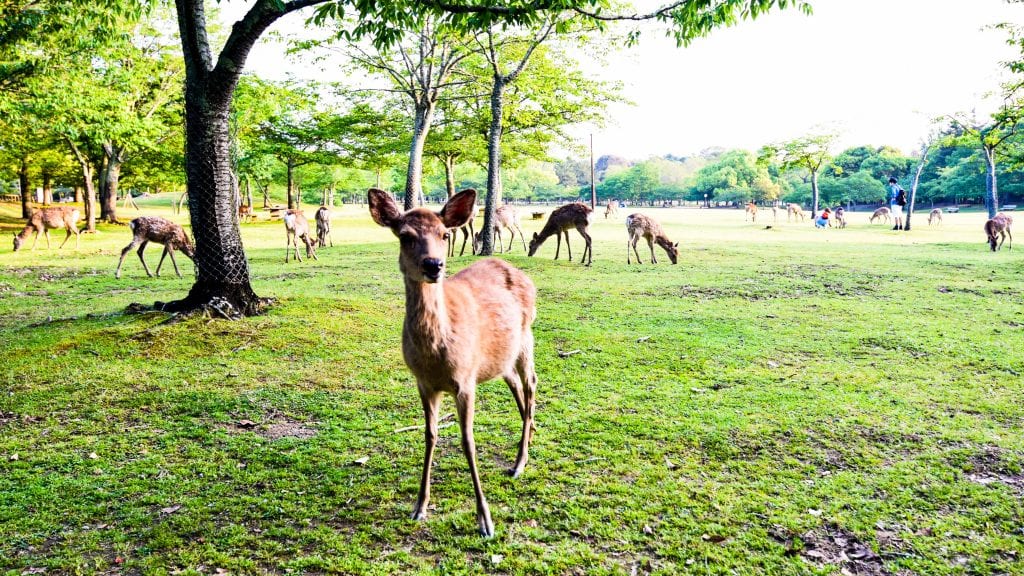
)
(445, 236)
(406, 239)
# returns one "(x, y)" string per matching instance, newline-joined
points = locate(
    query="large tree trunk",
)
(47, 188)
(493, 198)
(290, 169)
(991, 185)
(414, 175)
(814, 194)
(26, 193)
(90, 191)
(111, 180)
(78, 194)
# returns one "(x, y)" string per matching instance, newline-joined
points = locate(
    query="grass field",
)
(782, 401)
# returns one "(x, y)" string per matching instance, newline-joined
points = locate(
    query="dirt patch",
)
(274, 428)
(990, 467)
(834, 545)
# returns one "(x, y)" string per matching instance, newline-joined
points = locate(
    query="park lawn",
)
(785, 400)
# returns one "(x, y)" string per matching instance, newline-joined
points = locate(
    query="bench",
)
(952, 209)
(536, 215)
(1009, 207)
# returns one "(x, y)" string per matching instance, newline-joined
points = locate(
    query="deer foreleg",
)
(522, 238)
(142, 249)
(46, 233)
(161, 262)
(170, 252)
(558, 244)
(650, 244)
(310, 248)
(568, 246)
(127, 249)
(430, 403)
(464, 404)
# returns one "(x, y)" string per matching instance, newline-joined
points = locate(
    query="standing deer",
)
(610, 209)
(460, 331)
(146, 229)
(794, 210)
(46, 219)
(751, 210)
(883, 213)
(246, 213)
(839, 215)
(638, 225)
(296, 227)
(505, 217)
(323, 227)
(935, 216)
(999, 226)
(563, 218)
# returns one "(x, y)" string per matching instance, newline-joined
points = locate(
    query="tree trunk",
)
(991, 185)
(493, 198)
(47, 189)
(290, 170)
(90, 190)
(248, 192)
(814, 194)
(414, 175)
(26, 193)
(78, 194)
(913, 188)
(449, 174)
(110, 184)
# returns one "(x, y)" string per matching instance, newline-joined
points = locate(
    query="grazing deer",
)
(460, 331)
(323, 227)
(46, 219)
(638, 225)
(935, 216)
(751, 210)
(246, 213)
(575, 215)
(505, 217)
(297, 227)
(839, 215)
(883, 213)
(999, 226)
(146, 229)
(611, 209)
(794, 210)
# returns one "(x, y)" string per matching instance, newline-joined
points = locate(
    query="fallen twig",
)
(422, 426)
(569, 353)
(643, 339)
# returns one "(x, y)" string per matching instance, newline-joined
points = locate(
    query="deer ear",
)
(459, 210)
(534, 235)
(383, 208)
(676, 245)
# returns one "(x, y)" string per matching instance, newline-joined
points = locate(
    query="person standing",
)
(897, 200)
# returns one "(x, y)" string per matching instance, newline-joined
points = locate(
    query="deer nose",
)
(432, 266)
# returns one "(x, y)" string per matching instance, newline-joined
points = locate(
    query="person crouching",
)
(822, 220)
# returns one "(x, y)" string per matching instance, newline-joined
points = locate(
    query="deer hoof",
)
(419, 515)
(486, 526)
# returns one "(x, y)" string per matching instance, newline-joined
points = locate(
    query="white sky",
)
(876, 71)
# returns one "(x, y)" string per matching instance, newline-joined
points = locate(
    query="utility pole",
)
(593, 188)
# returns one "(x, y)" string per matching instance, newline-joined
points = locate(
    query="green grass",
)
(724, 416)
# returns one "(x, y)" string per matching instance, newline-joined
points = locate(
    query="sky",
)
(874, 71)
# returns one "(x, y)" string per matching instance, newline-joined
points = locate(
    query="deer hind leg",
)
(1011, 239)
(465, 236)
(464, 405)
(46, 233)
(127, 249)
(525, 393)
(430, 401)
(142, 250)
(500, 243)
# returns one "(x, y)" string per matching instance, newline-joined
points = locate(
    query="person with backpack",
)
(897, 200)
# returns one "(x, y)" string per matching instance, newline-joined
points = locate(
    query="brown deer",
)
(610, 209)
(467, 233)
(751, 210)
(935, 216)
(999, 226)
(323, 227)
(46, 219)
(576, 215)
(638, 225)
(246, 213)
(794, 210)
(296, 228)
(146, 229)
(839, 216)
(505, 217)
(460, 331)
(883, 213)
